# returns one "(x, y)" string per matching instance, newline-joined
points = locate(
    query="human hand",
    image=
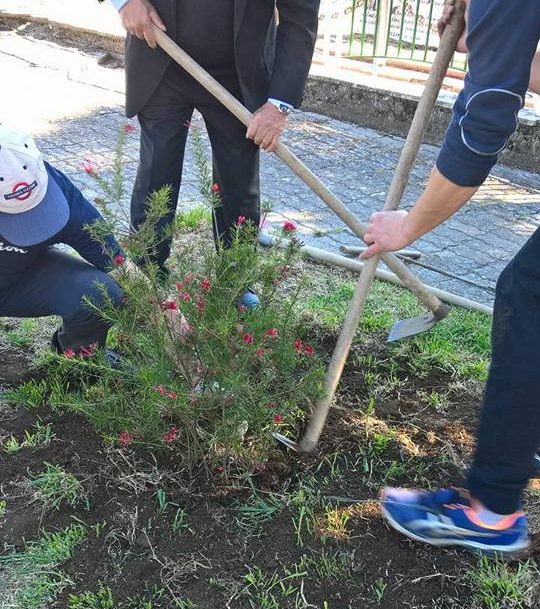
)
(266, 127)
(386, 233)
(448, 11)
(138, 17)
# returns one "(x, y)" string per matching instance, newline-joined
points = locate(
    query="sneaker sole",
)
(472, 546)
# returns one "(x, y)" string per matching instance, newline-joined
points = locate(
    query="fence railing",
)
(401, 29)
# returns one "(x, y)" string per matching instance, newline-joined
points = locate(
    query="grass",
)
(497, 585)
(55, 486)
(192, 219)
(33, 577)
(281, 588)
(103, 598)
(22, 337)
(459, 344)
(42, 436)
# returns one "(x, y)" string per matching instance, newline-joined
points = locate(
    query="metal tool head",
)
(304, 447)
(286, 441)
(406, 328)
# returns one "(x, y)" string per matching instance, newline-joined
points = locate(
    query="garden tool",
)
(421, 119)
(402, 328)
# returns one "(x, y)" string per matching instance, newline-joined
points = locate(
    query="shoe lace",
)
(443, 498)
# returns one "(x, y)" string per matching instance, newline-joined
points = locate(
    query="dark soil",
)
(137, 549)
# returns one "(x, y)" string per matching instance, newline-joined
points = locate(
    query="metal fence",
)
(400, 29)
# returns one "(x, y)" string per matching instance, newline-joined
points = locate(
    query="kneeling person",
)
(40, 208)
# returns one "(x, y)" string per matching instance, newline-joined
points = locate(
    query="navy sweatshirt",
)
(502, 40)
(14, 260)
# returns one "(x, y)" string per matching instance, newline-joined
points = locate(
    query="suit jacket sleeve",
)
(295, 42)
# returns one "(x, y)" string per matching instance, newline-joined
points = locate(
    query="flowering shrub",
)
(214, 386)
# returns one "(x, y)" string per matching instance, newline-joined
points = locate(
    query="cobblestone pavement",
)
(74, 107)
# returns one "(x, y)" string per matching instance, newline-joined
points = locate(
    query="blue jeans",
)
(57, 285)
(509, 431)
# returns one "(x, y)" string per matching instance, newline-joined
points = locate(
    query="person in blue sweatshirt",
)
(40, 208)
(485, 516)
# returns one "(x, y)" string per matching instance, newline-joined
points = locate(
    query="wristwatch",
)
(281, 106)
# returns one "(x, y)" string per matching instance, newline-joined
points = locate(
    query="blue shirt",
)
(502, 40)
(14, 260)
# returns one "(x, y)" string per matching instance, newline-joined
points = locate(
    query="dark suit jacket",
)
(272, 60)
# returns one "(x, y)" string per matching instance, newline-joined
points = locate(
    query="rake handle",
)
(419, 124)
(439, 309)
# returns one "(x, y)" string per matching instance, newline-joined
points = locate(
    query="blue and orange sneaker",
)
(446, 518)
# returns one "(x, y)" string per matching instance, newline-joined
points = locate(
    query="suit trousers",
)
(165, 121)
(509, 431)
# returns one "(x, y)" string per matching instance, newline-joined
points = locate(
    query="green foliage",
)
(498, 585)
(22, 336)
(32, 577)
(40, 437)
(460, 343)
(103, 598)
(31, 394)
(283, 588)
(55, 486)
(213, 384)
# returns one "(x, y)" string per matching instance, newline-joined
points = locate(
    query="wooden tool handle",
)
(406, 162)
(301, 170)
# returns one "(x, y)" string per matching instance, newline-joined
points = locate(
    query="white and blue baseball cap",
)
(33, 208)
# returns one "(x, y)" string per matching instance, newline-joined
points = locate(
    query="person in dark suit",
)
(260, 58)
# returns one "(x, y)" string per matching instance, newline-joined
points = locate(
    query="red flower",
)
(272, 333)
(308, 350)
(169, 305)
(129, 128)
(87, 352)
(118, 260)
(170, 436)
(160, 389)
(179, 286)
(278, 419)
(216, 188)
(242, 308)
(298, 345)
(188, 278)
(260, 352)
(241, 220)
(69, 353)
(220, 469)
(205, 284)
(172, 395)
(248, 339)
(125, 439)
(289, 227)
(89, 167)
(185, 296)
(201, 304)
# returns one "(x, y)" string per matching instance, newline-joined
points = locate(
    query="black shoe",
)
(112, 358)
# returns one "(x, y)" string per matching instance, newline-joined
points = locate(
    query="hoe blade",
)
(287, 441)
(406, 328)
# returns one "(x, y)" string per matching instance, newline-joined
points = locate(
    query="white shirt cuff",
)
(278, 102)
(118, 4)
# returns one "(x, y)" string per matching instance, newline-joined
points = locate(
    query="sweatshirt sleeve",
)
(75, 233)
(502, 40)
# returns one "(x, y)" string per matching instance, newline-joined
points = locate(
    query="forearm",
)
(440, 200)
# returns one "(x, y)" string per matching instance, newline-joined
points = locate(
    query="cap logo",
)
(21, 191)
